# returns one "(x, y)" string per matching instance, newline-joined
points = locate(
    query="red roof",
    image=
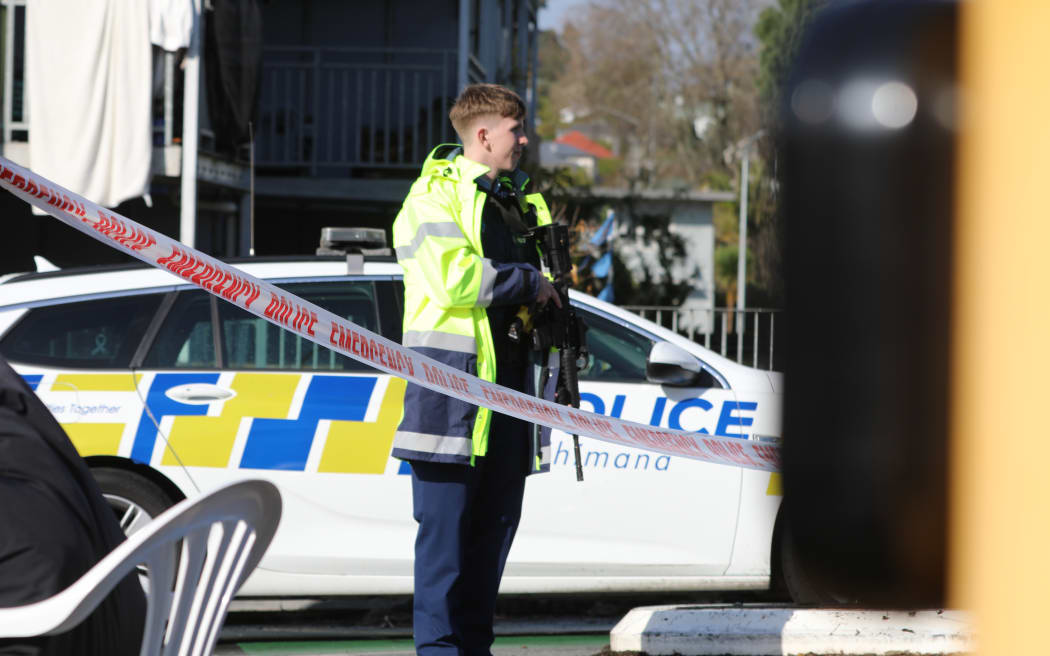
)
(576, 139)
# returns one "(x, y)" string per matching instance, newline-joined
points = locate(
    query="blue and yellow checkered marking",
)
(285, 443)
(274, 440)
(90, 437)
(160, 405)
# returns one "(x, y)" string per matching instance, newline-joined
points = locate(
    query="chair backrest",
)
(223, 536)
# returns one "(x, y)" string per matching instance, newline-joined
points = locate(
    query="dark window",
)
(250, 342)
(185, 340)
(391, 297)
(97, 334)
(617, 353)
(620, 354)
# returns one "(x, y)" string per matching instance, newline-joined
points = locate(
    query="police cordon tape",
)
(321, 326)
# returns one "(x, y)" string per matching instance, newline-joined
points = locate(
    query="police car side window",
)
(95, 334)
(249, 342)
(186, 339)
(617, 353)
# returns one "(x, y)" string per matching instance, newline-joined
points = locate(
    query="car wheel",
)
(799, 583)
(135, 499)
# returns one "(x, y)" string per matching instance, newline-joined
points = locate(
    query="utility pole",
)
(741, 258)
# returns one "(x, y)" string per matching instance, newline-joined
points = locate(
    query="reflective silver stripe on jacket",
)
(425, 443)
(488, 282)
(545, 455)
(442, 229)
(435, 339)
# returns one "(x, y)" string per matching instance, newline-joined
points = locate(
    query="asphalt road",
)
(552, 645)
(527, 625)
(581, 626)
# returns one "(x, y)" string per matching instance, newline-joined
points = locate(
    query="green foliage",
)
(717, 180)
(725, 266)
(726, 260)
(780, 29)
(610, 171)
(559, 185)
(727, 223)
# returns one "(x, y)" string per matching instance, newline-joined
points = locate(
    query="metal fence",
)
(347, 107)
(748, 337)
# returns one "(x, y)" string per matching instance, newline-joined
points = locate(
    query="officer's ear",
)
(482, 129)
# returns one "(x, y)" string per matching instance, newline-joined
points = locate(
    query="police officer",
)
(460, 237)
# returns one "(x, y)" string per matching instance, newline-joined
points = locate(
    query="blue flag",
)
(602, 266)
(601, 235)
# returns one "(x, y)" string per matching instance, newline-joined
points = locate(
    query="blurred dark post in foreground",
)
(868, 158)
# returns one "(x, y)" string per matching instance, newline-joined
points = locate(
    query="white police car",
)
(167, 392)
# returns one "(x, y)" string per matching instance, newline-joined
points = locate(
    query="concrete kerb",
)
(699, 630)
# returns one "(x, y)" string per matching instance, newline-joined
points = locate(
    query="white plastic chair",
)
(224, 534)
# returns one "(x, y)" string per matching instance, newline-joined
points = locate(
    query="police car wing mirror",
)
(668, 364)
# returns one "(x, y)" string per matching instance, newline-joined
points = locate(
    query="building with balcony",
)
(351, 98)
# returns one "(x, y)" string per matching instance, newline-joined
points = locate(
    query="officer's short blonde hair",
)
(479, 100)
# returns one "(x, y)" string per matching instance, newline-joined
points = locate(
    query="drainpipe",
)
(530, 80)
(191, 130)
(464, 44)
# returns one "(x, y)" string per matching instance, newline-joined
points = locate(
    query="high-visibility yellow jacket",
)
(448, 284)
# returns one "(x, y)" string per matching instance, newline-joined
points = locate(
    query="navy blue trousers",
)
(467, 520)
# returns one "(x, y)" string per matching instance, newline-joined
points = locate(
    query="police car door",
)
(637, 513)
(76, 355)
(238, 397)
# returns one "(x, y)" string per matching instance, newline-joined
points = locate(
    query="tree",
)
(571, 202)
(657, 286)
(780, 29)
(649, 70)
(552, 58)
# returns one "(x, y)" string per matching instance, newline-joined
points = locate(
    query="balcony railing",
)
(323, 109)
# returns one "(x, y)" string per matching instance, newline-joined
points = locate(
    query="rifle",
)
(559, 327)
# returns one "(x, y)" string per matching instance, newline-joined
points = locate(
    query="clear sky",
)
(554, 14)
